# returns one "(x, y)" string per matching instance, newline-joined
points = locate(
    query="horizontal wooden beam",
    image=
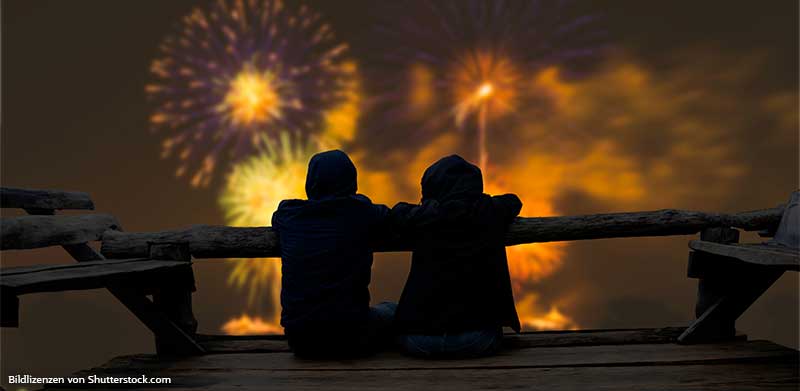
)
(759, 254)
(11, 197)
(24, 232)
(233, 242)
(205, 241)
(665, 222)
(84, 275)
(531, 339)
(576, 358)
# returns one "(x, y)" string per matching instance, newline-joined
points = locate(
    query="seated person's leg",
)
(473, 343)
(423, 346)
(462, 345)
(381, 325)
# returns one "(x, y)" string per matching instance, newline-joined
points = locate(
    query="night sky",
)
(712, 109)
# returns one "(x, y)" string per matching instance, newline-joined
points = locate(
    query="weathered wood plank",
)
(761, 254)
(543, 357)
(25, 232)
(538, 339)
(663, 222)
(205, 241)
(277, 343)
(258, 242)
(751, 376)
(243, 344)
(12, 197)
(84, 275)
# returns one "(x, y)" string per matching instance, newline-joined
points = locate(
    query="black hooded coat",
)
(326, 255)
(459, 279)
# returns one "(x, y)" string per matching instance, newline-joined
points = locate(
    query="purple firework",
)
(238, 70)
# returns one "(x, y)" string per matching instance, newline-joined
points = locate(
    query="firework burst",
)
(238, 70)
(253, 190)
(473, 61)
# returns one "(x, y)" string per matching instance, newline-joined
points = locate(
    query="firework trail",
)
(472, 61)
(238, 70)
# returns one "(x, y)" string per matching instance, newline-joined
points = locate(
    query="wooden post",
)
(712, 281)
(174, 295)
(727, 287)
(9, 309)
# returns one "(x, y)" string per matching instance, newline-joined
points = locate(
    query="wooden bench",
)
(169, 315)
(258, 242)
(165, 272)
(732, 276)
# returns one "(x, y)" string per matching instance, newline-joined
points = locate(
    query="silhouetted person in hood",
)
(458, 294)
(326, 260)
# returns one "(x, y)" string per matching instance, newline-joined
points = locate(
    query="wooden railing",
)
(728, 283)
(206, 241)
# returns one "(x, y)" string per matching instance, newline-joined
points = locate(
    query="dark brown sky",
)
(74, 117)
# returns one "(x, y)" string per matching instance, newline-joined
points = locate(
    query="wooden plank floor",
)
(643, 359)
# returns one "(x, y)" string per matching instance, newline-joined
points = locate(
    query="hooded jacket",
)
(326, 242)
(459, 279)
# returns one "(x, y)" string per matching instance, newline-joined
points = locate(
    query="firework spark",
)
(478, 56)
(238, 70)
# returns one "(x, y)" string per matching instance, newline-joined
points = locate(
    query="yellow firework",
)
(252, 97)
(253, 191)
(256, 186)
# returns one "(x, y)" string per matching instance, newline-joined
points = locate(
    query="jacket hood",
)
(331, 174)
(451, 178)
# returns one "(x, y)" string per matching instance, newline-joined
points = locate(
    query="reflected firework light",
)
(240, 69)
(471, 62)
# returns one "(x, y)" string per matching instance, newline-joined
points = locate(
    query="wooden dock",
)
(638, 359)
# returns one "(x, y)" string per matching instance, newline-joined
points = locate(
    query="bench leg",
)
(171, 339)
(9, 309)
(727, 287)
(174, 297)
(155, 317)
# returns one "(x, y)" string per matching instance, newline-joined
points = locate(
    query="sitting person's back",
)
(458, 294)
(326, 263)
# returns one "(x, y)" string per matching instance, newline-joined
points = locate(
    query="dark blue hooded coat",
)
(459, 279)
(326, 244)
